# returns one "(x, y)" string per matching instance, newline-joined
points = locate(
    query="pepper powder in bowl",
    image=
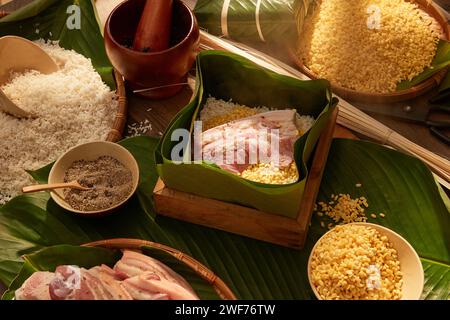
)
(110, 182)
(109, 171)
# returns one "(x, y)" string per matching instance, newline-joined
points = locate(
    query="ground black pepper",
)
(110, 182)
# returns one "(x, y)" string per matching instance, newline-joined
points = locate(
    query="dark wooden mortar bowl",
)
(143, 70)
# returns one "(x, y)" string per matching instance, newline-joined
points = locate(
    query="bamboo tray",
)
(247, 221)
(398, 96)
(116, 132)
(134, 244)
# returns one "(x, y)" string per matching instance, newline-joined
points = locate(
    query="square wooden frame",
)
(247, 221)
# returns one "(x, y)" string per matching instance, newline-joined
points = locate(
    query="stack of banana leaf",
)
(253, 21)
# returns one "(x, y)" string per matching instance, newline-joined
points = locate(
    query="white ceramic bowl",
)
(410, 264)
(91, 151)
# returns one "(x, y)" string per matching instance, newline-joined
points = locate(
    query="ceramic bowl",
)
(92, 151)
(144, 70)
(410, 265)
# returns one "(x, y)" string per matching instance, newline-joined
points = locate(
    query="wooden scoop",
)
(19, 55)
(52, 186)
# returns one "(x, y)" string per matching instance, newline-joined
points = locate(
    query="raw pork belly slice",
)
(135, 276)
(98, 283)
(36, 287)
(110, 282)
(134, 264)
(71, 283)
(219, 141)
(148, 284)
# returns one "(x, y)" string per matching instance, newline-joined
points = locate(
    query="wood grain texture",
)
(158, 112)
(223, 216)
(315, 175)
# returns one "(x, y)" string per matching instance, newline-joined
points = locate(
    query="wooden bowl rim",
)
(396, 96)
(205, 273)
(192, 29)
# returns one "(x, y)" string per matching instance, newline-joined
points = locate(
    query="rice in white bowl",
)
(73, 106)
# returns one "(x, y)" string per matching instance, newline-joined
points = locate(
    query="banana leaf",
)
(400, 186)
(273, 21)
(48, 259)
(228, 76)
(47, 19)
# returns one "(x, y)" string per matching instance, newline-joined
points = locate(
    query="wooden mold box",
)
(247, 221)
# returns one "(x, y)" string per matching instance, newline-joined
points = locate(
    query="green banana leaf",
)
(400, 186)
(441, 61)
(228, 76)
(47, 19)
(49, 258)
(278, 19)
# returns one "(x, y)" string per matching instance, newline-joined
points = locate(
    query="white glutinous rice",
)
(73, 106)
(216, 112)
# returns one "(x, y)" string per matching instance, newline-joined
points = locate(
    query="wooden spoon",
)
(19, 55)
(52, 186)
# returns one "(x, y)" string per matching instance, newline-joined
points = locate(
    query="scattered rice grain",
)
(139, 128)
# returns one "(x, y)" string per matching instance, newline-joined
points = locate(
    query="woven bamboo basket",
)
(134, 244)
(403, 95)
(116, 132)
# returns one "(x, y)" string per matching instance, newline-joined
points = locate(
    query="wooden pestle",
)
(153, 31)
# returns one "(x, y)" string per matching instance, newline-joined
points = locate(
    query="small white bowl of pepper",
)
(108, 171)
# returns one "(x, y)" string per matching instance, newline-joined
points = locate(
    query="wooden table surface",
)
(159, 113)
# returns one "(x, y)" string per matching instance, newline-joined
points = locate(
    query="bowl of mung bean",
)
(364, 261)
(368, 51)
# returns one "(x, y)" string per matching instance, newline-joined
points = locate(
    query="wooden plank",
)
(315, 176)
(226, 216)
